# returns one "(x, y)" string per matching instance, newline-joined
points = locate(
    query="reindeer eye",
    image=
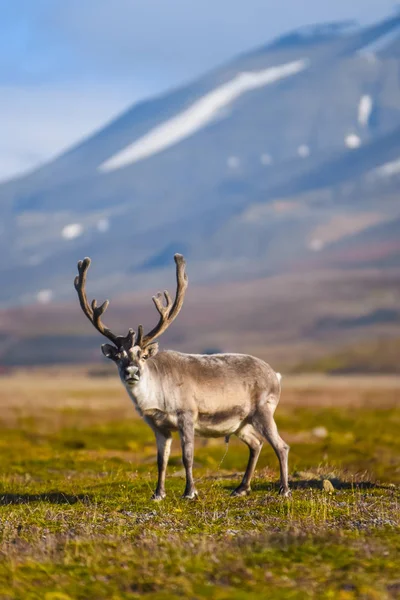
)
(145, 356)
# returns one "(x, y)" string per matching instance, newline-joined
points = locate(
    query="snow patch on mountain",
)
(233, 162)
(303, 151)
(44, 296)
(365, 110)
(266, 159)
(388, 169)
(103, 225)
(72, 231)
(352, 141)
(315, 245)
(199, 114)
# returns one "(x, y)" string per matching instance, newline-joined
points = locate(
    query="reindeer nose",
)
(132, 372)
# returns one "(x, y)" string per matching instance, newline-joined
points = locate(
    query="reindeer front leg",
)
(163, 449)
(186, 433)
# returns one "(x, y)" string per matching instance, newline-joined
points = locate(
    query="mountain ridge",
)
(314, 138)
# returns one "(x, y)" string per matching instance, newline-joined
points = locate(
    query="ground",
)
(78, 469)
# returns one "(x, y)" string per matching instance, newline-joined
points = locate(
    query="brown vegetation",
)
(286, 320)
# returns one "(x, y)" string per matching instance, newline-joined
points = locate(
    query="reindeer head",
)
(131, 352)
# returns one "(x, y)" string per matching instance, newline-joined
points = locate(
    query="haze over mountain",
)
(284, 159)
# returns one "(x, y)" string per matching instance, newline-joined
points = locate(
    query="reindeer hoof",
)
(285, 492)
(191, 495)
(239, 491)
(158, 497)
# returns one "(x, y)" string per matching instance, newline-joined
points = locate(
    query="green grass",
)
(76, 520)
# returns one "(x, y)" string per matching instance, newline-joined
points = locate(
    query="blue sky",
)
(68, 66)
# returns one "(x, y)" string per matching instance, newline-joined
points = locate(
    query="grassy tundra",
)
(78, 468)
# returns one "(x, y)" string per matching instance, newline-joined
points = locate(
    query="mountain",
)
(285, 159)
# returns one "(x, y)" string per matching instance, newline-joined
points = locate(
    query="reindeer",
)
(216, 395)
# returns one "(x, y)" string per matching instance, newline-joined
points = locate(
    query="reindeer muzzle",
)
(132, 374)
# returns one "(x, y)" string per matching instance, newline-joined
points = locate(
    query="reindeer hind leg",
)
(252, 439)
(264, 423)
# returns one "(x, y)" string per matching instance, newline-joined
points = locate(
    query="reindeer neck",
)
(146, 394)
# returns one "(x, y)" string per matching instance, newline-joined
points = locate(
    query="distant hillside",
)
(287, 320)
(379, 356)
(286, 159)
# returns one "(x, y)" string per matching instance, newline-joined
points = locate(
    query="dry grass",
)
(78, 468)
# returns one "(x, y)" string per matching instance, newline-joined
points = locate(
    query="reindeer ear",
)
(151, 350)
(109, 351)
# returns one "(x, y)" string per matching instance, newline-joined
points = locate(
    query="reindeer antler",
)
(169, 311)
(94, 312)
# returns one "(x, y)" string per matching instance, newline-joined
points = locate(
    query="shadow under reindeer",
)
(50, 497)
(62, 498)
(315, 484)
